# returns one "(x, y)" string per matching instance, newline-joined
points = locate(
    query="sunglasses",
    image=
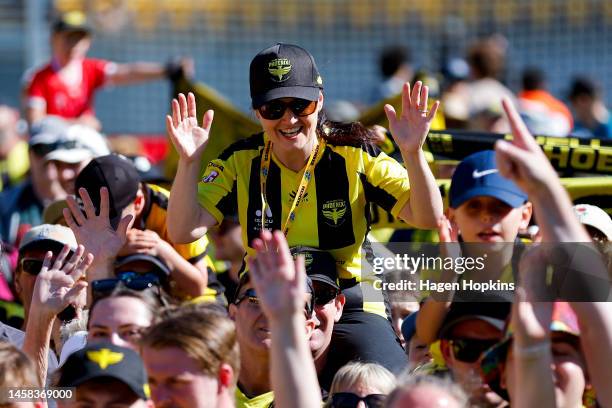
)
(350, 400)
(251, 296)
(33, 265)
(132, 280)
(470, 350)
(42, 149)
(275, 109)
(324, 294)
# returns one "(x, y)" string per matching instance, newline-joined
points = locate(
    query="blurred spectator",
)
(456, 93)
(227, 239)
(357, 383)
(16, 371)
(543, 113)
(427, 392)
(596, 221)
(122, 316)
(193, 360)
(148, 203)
(32, 250)
(469, 329)
(568, 362)
(487, 59)
(14, 163)
(67, 84)
(396, 69)
(253, 335)
(105, 375)
(416, 349)
(592, 119)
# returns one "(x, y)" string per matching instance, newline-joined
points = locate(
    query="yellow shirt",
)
(333, 214)
(261, 401)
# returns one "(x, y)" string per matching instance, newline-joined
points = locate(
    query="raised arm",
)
(56, 287)
(280, 286)
(134, 72)
(409, 130)
(189, 220)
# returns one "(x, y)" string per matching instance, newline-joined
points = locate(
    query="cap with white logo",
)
(477, 175)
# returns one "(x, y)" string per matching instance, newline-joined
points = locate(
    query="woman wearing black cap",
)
(317, 177)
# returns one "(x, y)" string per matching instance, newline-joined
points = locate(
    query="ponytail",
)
(347, 134)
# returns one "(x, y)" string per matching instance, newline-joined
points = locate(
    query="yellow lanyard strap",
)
(265, 168)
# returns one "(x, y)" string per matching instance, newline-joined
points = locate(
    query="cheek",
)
(570, 376)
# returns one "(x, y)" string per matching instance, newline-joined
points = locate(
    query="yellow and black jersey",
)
(154, 217)
(332, 215)
(265, 400)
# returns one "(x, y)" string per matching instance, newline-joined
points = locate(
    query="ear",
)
(339, 303)
(225, 377)
(526, 211)
(446, 352)
(232, 310)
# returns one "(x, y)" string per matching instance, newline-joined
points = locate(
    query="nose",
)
(161, 396)
(361, 404)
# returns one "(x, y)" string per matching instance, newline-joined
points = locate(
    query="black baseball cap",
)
(491, 310)
(75, 21)
(157, 266)
(282, 71)
(118, 175)
(320, 265)
(105, 360)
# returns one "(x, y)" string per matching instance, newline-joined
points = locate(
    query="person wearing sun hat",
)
(568, 366)
(597, 222)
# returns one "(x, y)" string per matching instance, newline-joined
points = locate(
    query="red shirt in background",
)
(48, 90)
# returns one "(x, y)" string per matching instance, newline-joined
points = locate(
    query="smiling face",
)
(489, 220)
(292, 133)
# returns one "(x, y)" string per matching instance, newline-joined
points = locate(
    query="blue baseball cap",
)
(477, 175)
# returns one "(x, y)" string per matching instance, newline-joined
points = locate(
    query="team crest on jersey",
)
(334, 211)
(280, 69)
(211, 177)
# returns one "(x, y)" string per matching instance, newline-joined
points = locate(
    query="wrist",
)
(531, 351)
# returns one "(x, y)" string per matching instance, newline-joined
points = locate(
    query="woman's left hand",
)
(410, 129)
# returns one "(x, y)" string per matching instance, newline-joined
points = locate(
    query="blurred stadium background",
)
(564, 37)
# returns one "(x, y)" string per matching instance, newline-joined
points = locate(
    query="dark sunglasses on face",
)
(470, 350)
(350, 400)
(325, 294)
(275, 109)
(34, 265)
(131, 280)
(42, 149)
(254, 300)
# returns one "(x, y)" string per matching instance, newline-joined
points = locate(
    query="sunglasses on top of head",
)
(275, 109)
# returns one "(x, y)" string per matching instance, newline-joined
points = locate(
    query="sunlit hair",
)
(407, 383)
(16, 369)
(206, 335)
(369, 374)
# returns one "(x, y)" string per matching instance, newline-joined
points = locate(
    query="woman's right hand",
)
(188, 138)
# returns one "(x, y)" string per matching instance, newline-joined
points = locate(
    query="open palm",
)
(188, 138)
(410, 129)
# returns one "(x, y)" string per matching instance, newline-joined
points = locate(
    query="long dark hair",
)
(343, 134)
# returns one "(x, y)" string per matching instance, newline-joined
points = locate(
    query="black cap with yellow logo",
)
(284, 71)
(105, 360)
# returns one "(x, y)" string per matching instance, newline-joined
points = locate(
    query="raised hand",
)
(410, 129)
(94, 231)
(188, 138)
(522, 160)
(59, 285)
(279, 281)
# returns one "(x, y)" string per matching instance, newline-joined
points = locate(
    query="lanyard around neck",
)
(301, 191)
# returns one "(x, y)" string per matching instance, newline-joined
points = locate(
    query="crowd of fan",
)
(117, 311)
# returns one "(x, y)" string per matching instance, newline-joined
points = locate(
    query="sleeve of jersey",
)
(36, 93)
(101, 70)
(217, 188)
(385, 181)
